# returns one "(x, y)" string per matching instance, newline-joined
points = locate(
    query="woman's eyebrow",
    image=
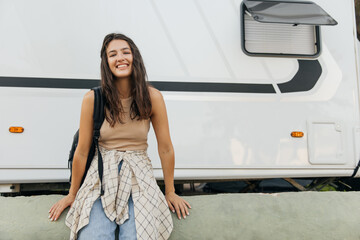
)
(125, 48)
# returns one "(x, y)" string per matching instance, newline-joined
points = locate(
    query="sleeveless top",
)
(130, 135)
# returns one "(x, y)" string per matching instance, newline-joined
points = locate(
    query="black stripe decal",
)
(304, 80)
(162, 86)
(48, 82)
(214, 87)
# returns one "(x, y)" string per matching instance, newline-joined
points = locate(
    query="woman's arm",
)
(84, 144)
(160, 124)
(80, 155)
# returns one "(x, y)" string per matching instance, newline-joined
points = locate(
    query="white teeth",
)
(121, 66)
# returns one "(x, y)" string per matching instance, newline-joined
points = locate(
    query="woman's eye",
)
(127, 52)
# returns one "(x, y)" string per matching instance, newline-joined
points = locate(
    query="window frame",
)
(317, 41)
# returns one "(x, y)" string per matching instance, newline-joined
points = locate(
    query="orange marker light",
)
(297, 134)
(16, 129)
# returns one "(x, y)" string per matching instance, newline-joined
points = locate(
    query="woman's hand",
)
(177, 203)
(56, 210)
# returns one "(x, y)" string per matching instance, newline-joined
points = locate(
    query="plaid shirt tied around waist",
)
(152, 215)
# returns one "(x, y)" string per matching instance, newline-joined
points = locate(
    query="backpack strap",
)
(98, 117)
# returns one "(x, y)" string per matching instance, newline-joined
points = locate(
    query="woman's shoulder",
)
(155, 94)
(157, 100)
(90, 95)
(88, 102)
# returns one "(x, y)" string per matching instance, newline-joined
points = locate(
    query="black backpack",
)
(98, 117)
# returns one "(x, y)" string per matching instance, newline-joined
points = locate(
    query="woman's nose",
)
(120, 57)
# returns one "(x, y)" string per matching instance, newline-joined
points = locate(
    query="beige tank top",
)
(130, 135)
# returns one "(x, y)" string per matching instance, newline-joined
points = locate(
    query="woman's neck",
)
(123, 86)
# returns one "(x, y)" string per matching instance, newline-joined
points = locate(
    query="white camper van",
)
(254, 89)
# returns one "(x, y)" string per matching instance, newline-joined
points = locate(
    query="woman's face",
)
(120, 58)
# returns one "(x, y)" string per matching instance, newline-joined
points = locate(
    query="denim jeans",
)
(101, 228)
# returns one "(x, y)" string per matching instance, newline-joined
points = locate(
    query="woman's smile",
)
(122, 66)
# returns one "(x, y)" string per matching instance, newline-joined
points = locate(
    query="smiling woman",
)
(131, 198)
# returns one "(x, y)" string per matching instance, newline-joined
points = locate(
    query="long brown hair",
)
(141, 104)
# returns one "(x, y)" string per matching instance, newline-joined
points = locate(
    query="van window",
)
(281, 28)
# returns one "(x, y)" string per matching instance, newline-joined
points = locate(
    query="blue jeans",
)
(101, 228)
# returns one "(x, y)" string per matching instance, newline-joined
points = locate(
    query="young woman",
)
(131, 198)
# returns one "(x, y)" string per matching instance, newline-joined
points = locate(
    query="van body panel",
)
(230, 114)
